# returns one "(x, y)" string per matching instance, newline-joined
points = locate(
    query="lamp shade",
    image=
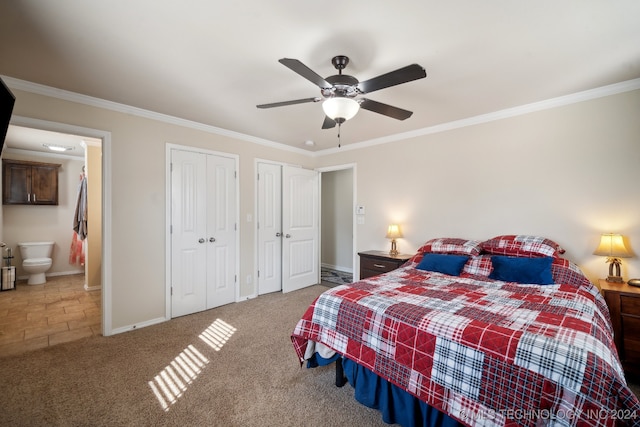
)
(340, 109)
(612, 245)
(393, 232)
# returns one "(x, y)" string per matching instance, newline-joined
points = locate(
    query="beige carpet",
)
(230, 366)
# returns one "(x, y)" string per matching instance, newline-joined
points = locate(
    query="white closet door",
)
(269, 228)
(204, 235)
(188, 244)
(300, 220)
(221, 231)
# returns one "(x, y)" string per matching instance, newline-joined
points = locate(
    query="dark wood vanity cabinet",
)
(29, 183)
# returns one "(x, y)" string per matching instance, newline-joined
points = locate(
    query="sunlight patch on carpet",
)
(217, 334)
(171, 383)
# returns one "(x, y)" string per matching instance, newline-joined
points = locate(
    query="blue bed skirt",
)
(396, 405)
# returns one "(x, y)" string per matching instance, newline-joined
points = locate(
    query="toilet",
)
(36, 260)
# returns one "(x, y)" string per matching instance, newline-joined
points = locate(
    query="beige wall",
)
(337, 220)
(24, 223)
(138, 197)
(568, 173)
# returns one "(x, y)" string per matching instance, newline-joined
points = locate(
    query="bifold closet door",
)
(203, 235)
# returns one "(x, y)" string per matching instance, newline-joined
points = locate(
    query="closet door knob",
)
(201, 240)
(287, 236)
(212, 239)
(278, 234)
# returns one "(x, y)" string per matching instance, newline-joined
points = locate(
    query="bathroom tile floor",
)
(36, 316)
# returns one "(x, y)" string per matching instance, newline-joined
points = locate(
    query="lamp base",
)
(394, 249)
(614, 271)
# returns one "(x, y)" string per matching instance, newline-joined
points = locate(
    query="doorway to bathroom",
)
(78, 275)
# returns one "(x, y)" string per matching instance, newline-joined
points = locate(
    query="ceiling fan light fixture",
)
(340, 109)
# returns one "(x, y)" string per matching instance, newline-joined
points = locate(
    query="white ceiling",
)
(212, 62)
(29, 139)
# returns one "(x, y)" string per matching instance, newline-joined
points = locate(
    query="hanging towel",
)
(80, 217)
(76, 254)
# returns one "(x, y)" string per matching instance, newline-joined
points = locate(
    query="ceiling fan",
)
(341, 92)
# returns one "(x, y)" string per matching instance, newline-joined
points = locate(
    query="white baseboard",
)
(92, 288)
(65, 273)
(59, 273)
(138, 325)
(247, 297)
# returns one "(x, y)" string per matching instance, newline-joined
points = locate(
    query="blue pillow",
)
(443, 263)
(522, 270)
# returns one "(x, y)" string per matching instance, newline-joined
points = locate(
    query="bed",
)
(479, 333)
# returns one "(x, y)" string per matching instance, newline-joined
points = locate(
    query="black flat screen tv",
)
(7, 100)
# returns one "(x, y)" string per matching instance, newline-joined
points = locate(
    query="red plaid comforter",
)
(487, 353)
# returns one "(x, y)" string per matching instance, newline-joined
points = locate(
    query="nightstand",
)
(624, 305)
(373, 263)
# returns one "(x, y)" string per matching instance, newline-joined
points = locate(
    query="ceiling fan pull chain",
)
(339, 127)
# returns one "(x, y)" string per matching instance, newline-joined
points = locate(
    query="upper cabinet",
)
(29, 183)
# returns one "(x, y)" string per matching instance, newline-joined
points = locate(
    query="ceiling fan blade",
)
(283, 103)
(402, 75)
(305, 72)
(328, 123)
(385, 109)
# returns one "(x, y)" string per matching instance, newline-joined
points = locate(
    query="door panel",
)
(188, 207)
(301, 258)
(221, 232)
(189, 284)
(300, 219)
(269, 228)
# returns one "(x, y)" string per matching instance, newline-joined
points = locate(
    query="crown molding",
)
(600, 92)
(613, 89)
(65, 95)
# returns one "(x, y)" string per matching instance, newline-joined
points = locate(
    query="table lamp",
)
(612, 246)
(393, 232)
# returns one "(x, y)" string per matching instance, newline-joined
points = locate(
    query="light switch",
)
(360, 210)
